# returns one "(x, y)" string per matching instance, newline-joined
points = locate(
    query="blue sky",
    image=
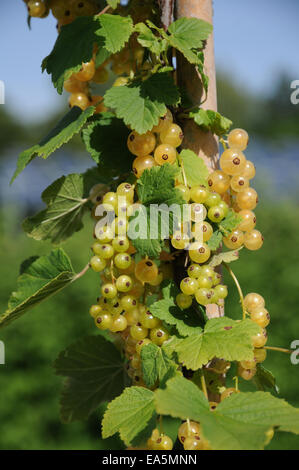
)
(255, 40)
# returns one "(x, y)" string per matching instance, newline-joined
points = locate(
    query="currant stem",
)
(273, 348)
(183, 171)
(104, 10)
(239, 289)
(189, 427)
(111, 272)
(81, 273)
(236, 379)
(145, 294)
(161, 424)
(203, 386)
(223, 143)
(184, 116)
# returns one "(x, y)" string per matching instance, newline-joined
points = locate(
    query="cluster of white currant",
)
(232, 182)
(125, 283)
(255, 305)
(65, 11)
(203, 283)
(122, 307)
(189, 434)
(125, 63)
(225, 188)
(79, 84)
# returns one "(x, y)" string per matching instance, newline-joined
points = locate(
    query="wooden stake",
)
(204, 144)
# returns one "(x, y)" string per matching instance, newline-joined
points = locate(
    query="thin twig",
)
(113, 278)
(161, 424)
(239, 289)
(183, 170)
(203, 386)
(104, 10)
(222, 141)
(236, 379)
(273, 348)
(81, 273)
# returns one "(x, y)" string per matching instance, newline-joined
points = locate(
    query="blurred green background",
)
(29, 391)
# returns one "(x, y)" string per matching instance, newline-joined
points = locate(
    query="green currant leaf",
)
(142, 103)
(201, 118)
(171, 426)
(129, 414)
(187, 35)
(222, 337)
(210, 120)
(195, 169)
(240, 422)
(230, 223)
(157, 186)
(156, 365)
(142, 437)
(215, 240)
(200, 68)
(181, 399)
(264, 380)
(156, 28)
(156, 218)
(99, 139)
(151, 298)
(261, 408)
(65, 208)
(224, 257)
(40, 278)
(114, 31)
(146, 230)
(95, 175)
(67, 202)
(185, 321)
(69, 125)
(148, 39)
(94, 371)
(75, 44)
